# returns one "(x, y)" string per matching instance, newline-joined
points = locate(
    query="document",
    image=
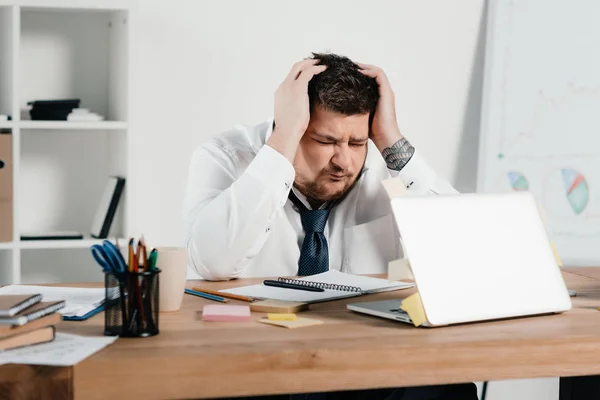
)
(64, 351)
(79, 301)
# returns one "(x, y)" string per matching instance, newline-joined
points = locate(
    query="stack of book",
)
(26, 320)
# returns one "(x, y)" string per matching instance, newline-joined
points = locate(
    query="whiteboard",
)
(541, 116)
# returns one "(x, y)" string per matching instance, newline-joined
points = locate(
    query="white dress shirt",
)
(239, 221)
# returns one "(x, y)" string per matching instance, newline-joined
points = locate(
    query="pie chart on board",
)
(576, 189)
(517, 181)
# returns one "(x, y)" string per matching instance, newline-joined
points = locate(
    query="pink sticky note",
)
(225, 313)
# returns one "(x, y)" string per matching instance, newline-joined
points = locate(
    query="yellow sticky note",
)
(298, 323)
(556, 256)
(414, 308)
(281, 317)
(394, 187)
(399, 270)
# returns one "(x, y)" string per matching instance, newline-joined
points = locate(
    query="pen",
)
(228, 295)
(287, 285)
(152, 259)
(206, 295)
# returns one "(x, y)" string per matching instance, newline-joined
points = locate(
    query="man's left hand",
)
(384, 129)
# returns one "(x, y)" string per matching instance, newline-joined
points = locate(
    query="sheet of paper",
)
(79, 301)
(65, 350)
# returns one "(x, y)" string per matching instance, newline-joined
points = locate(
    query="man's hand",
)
(394, 148)
(292, 110)
(384, 130)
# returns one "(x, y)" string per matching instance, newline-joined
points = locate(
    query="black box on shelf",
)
(52, 110)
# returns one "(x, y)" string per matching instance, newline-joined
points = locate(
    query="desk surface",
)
(350, 351)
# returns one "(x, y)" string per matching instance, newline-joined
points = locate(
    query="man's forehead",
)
(335, 134)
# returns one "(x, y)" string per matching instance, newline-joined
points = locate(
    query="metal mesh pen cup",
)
(131, 304)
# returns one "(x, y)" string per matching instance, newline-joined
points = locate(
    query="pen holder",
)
(131, 304)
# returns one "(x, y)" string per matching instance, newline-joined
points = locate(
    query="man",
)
(302, 194)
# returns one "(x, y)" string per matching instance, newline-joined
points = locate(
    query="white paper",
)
(79, 301)
(66, 350)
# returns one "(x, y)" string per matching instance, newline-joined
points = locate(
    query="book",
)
(42, 335)
(107, 207)
(32, 313)
(336, 285)
(81, 303)
(13, 304)
(48, 320)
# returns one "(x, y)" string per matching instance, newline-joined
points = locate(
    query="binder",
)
(6, 188)
(107, 207)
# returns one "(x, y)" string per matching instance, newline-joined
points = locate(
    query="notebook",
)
(48, 320)
(41, 335)
(13, 304)
(337, 285)
(32, 313)
(81, 303)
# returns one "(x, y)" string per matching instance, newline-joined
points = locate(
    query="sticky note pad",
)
(278, 306)
(225, 313)
(281, 317)
(298, 323)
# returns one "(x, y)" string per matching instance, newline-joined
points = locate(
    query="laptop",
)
(475, 257)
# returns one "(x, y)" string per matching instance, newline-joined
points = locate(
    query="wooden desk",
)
(192, 359)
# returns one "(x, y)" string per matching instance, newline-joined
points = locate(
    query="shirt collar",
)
(304, 200)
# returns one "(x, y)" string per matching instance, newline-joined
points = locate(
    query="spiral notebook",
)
(337, 285)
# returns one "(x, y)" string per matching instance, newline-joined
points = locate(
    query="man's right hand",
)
(292, 109)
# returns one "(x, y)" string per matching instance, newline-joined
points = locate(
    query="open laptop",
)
(475, 257)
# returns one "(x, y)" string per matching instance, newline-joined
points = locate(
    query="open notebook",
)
(337, 285)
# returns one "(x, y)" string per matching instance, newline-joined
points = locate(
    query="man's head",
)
(332, 152)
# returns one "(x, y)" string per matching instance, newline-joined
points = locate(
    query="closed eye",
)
(322, 142)
(358, 144)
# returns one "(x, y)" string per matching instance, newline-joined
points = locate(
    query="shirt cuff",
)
(273, 170)
(417, 175)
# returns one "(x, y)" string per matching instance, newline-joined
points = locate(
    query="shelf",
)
(6, 124)
(79, 125)
(7, 245)
(62, 244)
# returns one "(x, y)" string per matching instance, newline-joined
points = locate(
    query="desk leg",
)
(35, 382)
(579, 388)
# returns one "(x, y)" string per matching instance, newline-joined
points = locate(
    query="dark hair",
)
(342, 87)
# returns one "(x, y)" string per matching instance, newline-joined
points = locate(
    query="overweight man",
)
(302, 193)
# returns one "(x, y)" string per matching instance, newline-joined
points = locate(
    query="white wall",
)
(199, 67)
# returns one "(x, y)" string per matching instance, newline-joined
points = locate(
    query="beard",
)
(325, 188)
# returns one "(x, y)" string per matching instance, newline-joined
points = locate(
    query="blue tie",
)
(314, 256)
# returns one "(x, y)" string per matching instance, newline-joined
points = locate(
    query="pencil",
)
(206, 295)
(228, 295)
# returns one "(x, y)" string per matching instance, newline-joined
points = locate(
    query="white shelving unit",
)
(59, 50)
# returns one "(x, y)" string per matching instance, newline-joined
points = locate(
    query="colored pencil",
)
(228, 295)
(206, 296)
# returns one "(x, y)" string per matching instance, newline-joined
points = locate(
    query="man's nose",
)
(342, 157)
